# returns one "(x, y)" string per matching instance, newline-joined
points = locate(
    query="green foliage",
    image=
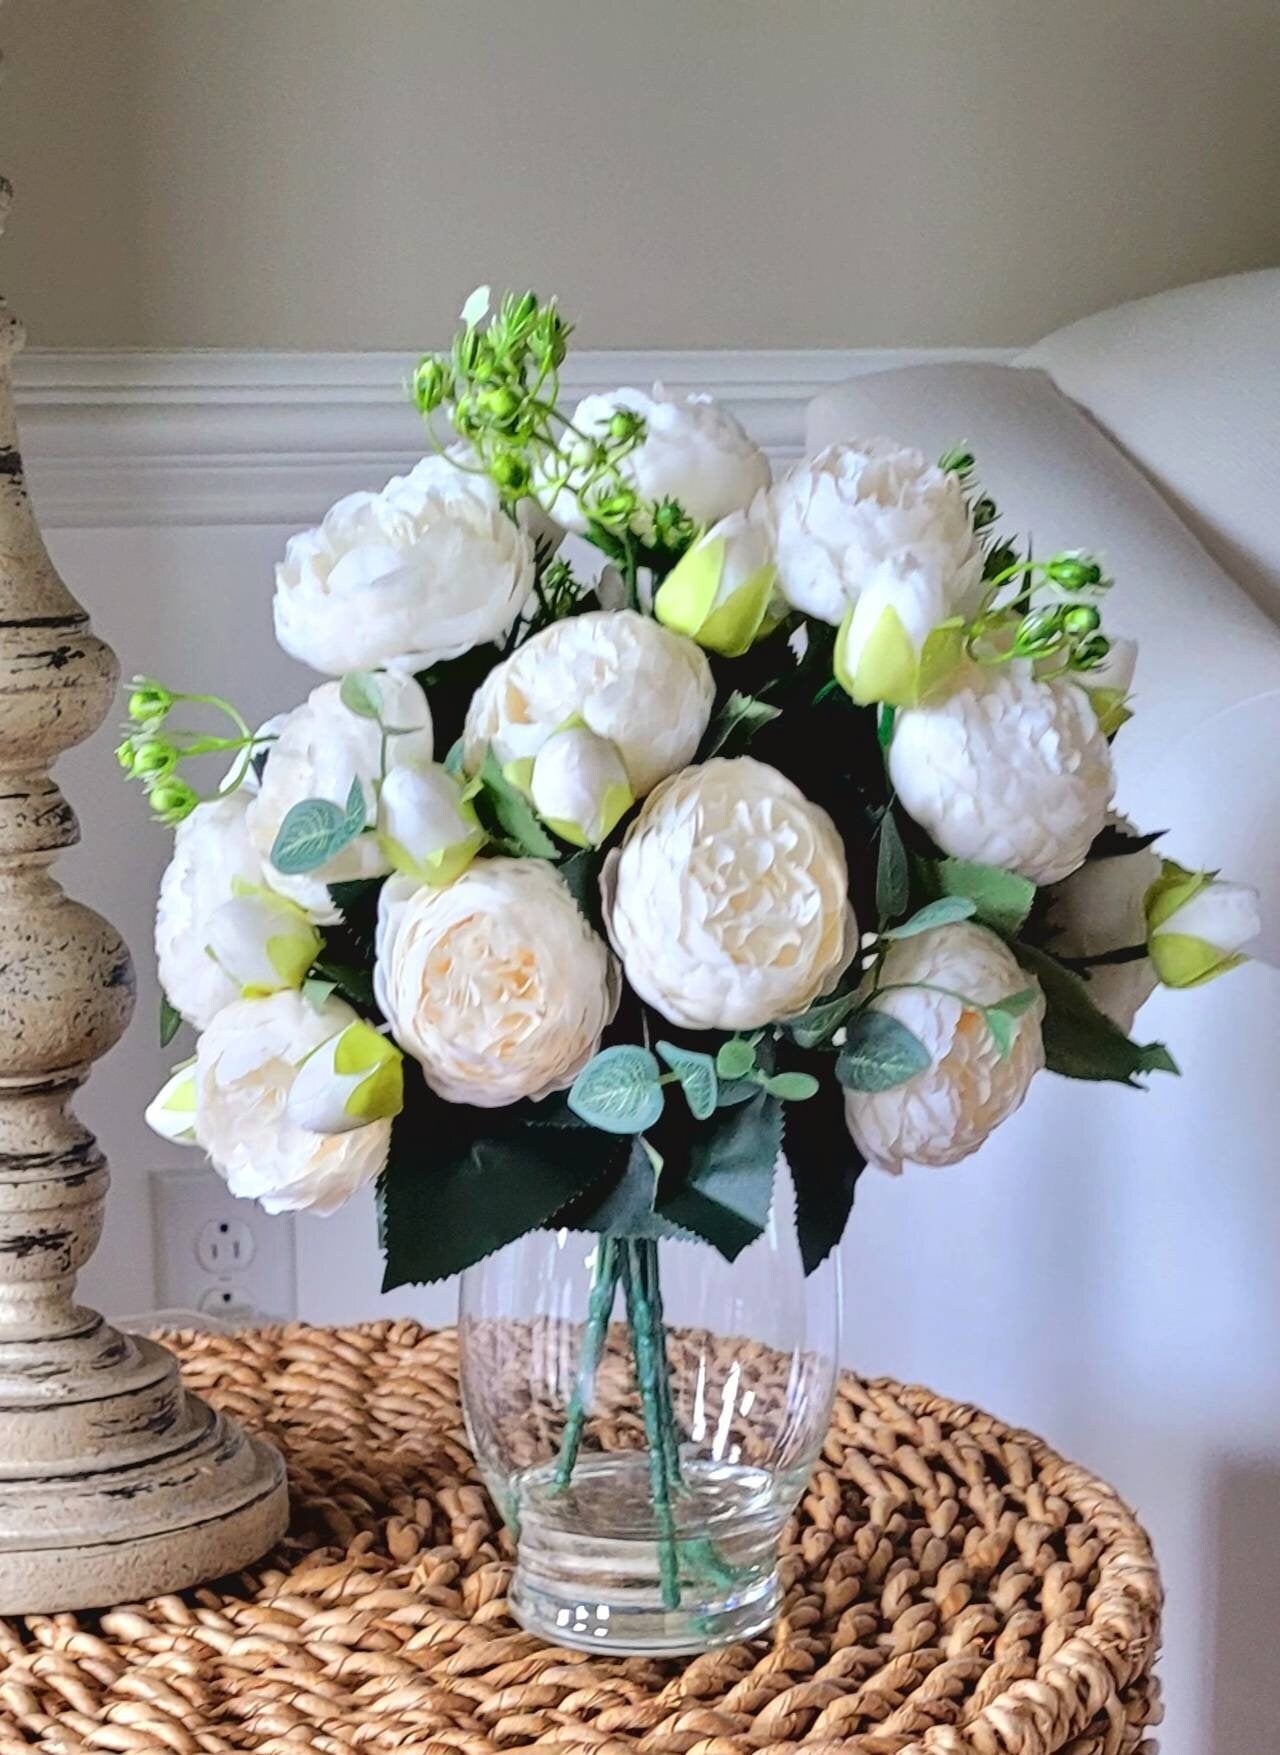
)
(350, 981)
(170, 1021)
(1079, 1041)
(735, 724)
(1001, 899)
(879, 1053)
(815, 1027)
(697, 1075)
(893, 884)
(1002, 1019)
(1114, 840)
(511, 811)
(736, 1058)
(943, 912)
(618, 1090)
(825, 1166)
(726, 1189)
(792, 1087)
(360, 694)
(316, 829)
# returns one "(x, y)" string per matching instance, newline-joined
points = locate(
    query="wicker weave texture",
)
(953, 1587)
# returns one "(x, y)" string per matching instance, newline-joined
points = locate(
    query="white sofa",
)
(1106, 1269)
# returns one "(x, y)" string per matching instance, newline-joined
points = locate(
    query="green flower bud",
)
(466, 352)
(673, 528)
(432, 385)
(124, 754)
(1038, 633)
(502, 404)
(1081, 618)
(985, 511)
(626, 424)
(1089, 654)
(549, 337)
(510, 472)
(1073, 572)
(957, 462)
(615, 507)
(149, 699)
(172, 800)
(154, 757)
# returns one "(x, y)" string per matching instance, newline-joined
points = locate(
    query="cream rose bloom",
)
(1099, 908)
(728, 899)
(946, 1112)
(321, 748)
(496, 985)
(1006, 770)
(838, 517)
(693, 451)
(647, 691)
(212, 855)
(246, 1064)
(422, 571)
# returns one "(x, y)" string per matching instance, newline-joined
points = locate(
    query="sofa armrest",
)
(1200, 752)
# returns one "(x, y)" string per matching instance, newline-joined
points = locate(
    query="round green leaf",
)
(618, 1091)
(736, 1058)
(792, 1087)
(880, 1053)
(697, 1075)
(311, 833)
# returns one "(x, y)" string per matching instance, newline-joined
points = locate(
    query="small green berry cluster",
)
(153, 750)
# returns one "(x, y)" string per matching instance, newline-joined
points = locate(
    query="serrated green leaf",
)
(893, 884)
(880, 1053)
(515, 815)
(735, 1058)
(360, 694)
(1001, 899)
(792, 1087)
(697, 1075)
(623, 1206)
(618, 1090)
(943, 912)
(736, 723)
(170, 1021)
(726, 1190)
(825, 1166)
(313, 831)
(1079, 1041)
(351, 981)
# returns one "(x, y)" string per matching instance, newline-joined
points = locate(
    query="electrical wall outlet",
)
(219, 1255)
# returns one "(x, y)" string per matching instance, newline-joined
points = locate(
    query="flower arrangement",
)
(587, 902)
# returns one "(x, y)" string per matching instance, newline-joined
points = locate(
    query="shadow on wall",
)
(1244, 1715)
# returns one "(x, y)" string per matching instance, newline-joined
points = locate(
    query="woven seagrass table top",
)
(953, 1587)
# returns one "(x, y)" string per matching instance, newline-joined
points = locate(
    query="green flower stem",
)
(604, 1287)
(670, 1430)
(640, 1317)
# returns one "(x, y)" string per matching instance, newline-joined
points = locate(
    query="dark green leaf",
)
(940, 913)
(618, 1090)
(513, 812)
(892, 879)
(825, 1166)
(697, 1075)
(880, 1053)
(1079, 1041)
(356, 894)
(1115, 839)
(623, 1205)
(170, 1020)
(349, 980)
(726, 1189)
(737, 722)
(1001, 899)
(581, 873)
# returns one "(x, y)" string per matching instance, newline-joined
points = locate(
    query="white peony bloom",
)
(946, 1112)
(693, 452)
(579, 786)
(1006, 770)
(496, 985)
(648, 691)
(352, 1079)
(427, 826)
(901, 641)
(728, 899)
(246, 1065)
(422, 571)
(1198, 924)
(1099, 909)
(212, 856)
(722, 592)
(172, 1111)
(264, 942)
(321, 749)
(839, 516)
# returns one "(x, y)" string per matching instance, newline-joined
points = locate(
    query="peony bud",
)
(900, 641)
(352, 1079)
(1197, 924)
(172, 1111)
(579, 785)
(264, 942)
(427, 825)
(723, 592)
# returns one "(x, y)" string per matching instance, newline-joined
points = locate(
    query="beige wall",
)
(337, 173)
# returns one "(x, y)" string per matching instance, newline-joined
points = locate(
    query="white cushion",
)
(1199, 754)
(1188, 383)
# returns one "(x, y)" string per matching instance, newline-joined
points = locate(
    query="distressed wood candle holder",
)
(114, 1482)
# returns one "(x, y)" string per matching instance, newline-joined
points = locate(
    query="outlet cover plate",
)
(255, 1281)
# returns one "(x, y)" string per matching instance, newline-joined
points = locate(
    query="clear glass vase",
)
(646, 1416)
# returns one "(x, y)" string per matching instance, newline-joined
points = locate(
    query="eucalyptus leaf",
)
(314, 830)
(697, 1075)
(736, 723)
(360, 694)
(943, 912)
(1079, 1041)
(892, 876)
(880, 1053)
(735, 1058)
(815, 1028)
(618, 1090)
(1001, 899)
(513, 812)
(792, 1087)
(170, 1021)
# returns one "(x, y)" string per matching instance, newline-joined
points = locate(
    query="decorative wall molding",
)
(212, 437)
